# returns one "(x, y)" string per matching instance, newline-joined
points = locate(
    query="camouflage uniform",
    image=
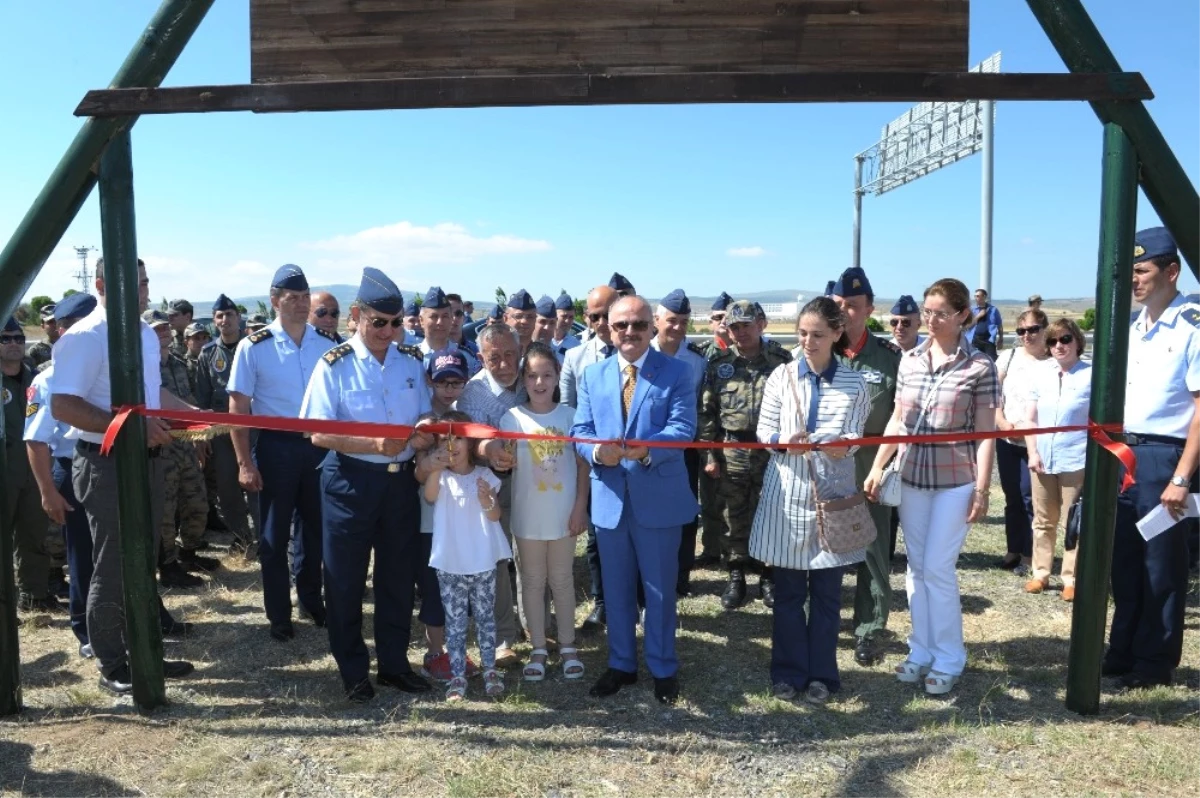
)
(38, 355)
(186, 502)
(238, 510)
(729, 404)
(713, 528)
(178, 346)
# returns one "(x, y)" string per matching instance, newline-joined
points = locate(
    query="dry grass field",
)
(265, 719)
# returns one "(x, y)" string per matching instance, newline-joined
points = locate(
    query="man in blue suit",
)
(640, 497)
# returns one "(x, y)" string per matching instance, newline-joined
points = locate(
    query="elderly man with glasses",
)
(324, 313)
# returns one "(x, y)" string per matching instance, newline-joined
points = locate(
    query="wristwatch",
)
(1179, 482)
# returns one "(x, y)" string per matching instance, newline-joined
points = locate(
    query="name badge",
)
(873, 377)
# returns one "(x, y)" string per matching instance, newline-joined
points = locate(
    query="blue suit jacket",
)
(663, 409)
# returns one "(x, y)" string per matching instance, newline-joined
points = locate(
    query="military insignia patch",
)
(30, 393)
(856, 283)
(260, 336)
(31, 409)
(1139, 251)
(219, 362)
(1191, 316)
(412, 383)
(338, 351)
(725, 371)
(7, 394)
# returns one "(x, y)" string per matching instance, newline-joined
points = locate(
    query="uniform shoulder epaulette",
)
(258, 336)
(696, 348)
(327, 334)
(340, 350)
(412, 351)
(888, 345)
(210, 345)
(1191, 316)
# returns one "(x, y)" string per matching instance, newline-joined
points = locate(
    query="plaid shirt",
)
(486, 401)
(971, 386)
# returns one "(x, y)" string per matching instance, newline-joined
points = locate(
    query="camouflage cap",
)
(740, 311)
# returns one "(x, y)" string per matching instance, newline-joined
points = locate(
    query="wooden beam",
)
(528, 90)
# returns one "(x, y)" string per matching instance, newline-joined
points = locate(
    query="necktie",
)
(814, 401)
(607, 350)
(627, 391)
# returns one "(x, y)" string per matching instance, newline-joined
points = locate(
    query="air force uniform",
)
(369, 501)
(273, 371)
(1150, 578)
(569, 341)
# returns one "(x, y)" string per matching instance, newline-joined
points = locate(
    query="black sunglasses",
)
(379, 323)
(905, 323)
(1065, 340)
(12, 339)
(595, 317)
(636, 326)
(321, 313)
(1034, 330)
(717, 317)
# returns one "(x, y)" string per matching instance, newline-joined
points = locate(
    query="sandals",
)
(535, 671)
(910, 672)
(457, 690)
(572, 665)
(493, 682)
(938, 683)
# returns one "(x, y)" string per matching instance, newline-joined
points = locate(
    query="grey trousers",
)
(95, 480)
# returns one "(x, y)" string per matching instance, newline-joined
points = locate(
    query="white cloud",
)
(746, 252)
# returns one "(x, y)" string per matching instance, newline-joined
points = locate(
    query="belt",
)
(402, 467)
(94, 448)
(281, 433)
(748, 436)
(1134, 439)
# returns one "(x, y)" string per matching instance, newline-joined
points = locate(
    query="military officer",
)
(213, 367)
(437, 322)
(185, 506)
(368, 490)
(564, 338)
(546, 321)
(50, 452)
(621, 285)
(255, 322)
(905, 323)
(729, 403)
(520, 314)
(412, 323)
(24, 521)
(271, 369)
(712, 509)
(1162, 424)
(197, 337)
(179, 313)
(39, 353)
(671, 321)
(877, 360)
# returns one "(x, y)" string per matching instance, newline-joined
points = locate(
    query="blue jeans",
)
(804, 647)
(1013, 463)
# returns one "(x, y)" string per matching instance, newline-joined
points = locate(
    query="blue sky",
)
(707, 198)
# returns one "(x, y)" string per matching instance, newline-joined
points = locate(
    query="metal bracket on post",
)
(143, 633)
(1110, 353)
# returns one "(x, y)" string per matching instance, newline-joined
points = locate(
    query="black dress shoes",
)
(192, 561)
(119, 682)
(766, 590)
(612, 681)
(864, 651)
(666, 691)
(735, 594)
(85, 651)
(1143, 681)
(282, 632)
(596, 621)
(177, 668)
(360, 693)
(177, 628)
(315, 614)
(408, 682)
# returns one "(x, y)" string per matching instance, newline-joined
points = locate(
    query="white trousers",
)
(935, 526)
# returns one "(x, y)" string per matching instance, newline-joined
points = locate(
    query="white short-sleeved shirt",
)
(1164, 370)
(81, 365)
(1018, 372)
(274, 372)
(544, 480)
(465, 540)
(350, 384)
(40, 425)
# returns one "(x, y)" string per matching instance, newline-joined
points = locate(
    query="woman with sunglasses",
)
(1018, 368)
(1059, 397)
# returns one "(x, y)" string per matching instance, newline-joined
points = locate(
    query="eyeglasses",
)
(636, 326)
(458, 314)
(321, 313)
(1034, 330)
(1065, 340)
(939, 315)
(379, 323)
(12, 339)
(717, 317)
(454, 385)
(905, 323)
(596, 317)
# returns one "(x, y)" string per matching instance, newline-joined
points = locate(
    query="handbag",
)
(1074, 522)
(890, 482)
(843, 525)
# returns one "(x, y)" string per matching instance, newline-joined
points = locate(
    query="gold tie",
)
(627, 391)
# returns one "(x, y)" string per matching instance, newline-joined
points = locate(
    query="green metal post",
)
(10, 650)
(143, 633)
(1110, 354)
(1167, 186)
(72, 180)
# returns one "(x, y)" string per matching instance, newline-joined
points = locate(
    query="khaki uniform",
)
(186, 501)
(24, 518)
(729, 405)
(877, 362)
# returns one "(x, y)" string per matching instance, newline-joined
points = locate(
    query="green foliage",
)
(69, 292)
(1088, 322)
(581, 311)
(874, 325)
(241, 309)
(165, 305)
(25, 314)
(39, 302)
(501, 296)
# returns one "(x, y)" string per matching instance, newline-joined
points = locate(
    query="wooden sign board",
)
(308, 40)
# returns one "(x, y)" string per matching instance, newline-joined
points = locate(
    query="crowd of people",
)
(666, 454)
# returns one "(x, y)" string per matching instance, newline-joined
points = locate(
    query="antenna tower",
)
(84, 276)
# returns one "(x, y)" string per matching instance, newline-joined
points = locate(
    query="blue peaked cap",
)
(378, 292)
(905, 306)
(853, 282)
(1153, 242)
(676, 302)
(76, 306)
(521, 300)
(564, 302)
(545, 308)
(290, 277)
(435, 299)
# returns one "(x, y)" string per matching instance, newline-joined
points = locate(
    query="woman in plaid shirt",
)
(947, 386)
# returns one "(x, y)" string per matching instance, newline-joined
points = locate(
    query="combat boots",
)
(735, 594)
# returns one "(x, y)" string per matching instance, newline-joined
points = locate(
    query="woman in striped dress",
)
(812, 399)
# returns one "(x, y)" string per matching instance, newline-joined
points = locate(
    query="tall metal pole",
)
(143, 633)
(987, 110)
(73, 179)
(1167, 186)
(1110, 352)
(856, 257)
(10, 651)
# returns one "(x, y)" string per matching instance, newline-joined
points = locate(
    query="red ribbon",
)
(199, 420)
